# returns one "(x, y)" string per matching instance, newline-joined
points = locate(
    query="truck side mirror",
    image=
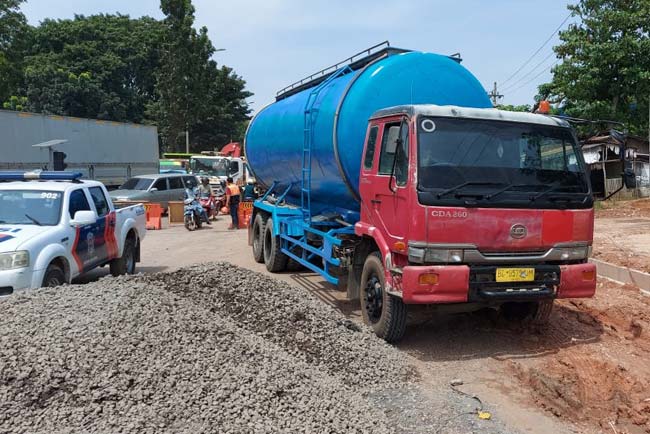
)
(83, 218)
(629, 179)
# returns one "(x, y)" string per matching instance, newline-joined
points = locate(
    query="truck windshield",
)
(30, 207)
(136, 184)
(209, 166)
(494, 162)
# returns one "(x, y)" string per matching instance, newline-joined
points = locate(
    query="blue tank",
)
(274, 140)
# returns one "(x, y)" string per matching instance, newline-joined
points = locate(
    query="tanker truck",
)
(392, 176)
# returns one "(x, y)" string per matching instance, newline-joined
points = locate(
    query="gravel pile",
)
(211, 348)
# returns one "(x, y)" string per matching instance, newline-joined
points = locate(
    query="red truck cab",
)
(477, 206)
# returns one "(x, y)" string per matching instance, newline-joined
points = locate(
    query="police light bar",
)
(43, 176)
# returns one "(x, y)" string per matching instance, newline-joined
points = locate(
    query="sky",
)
(273, 43)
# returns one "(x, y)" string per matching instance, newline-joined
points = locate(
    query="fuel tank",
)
(341, 109)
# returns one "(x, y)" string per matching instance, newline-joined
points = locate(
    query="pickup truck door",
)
(101, 245)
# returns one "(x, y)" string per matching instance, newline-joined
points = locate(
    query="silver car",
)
(158, 188)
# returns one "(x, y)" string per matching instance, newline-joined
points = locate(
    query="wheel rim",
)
(53, 281)
(373, 298)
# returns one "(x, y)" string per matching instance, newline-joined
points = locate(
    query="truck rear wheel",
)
(385, 313)
(258, 239)
(274, 259)
(54, 276)
(126, 263)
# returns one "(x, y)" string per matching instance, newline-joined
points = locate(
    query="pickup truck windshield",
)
(209, 166)
(137, 184)
(30, 207)
(497, 162)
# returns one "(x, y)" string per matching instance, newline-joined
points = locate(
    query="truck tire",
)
(542, 312)
(54, 276)
(258, 239)
(385, 313)
(126, 263)
(274, 259)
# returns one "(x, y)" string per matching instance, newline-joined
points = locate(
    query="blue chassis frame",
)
(290, 226)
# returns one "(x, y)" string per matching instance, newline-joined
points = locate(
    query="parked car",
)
(156, 188)
(55, 227)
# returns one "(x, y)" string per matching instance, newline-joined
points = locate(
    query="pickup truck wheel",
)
(385, 313)
(258, 239)
(274, 259)
(126, 263)
(54, 276)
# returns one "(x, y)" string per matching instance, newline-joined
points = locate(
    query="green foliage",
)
(116, 68)
(193, 93)
(14, 34)
(16, 103)
(605, 69)
(514, 108)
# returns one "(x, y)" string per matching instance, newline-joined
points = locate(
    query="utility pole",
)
(187, 140)
(495, 96)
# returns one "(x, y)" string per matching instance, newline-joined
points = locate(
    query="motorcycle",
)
(192, 214)
(209, 205)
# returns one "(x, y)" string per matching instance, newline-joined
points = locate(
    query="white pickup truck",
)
(55, 227)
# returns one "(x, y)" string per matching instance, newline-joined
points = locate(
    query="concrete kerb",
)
(623, 275)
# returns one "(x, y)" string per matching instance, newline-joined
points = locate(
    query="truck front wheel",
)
(258, 239)
(54, 276)
(274, 259)
(126, 263)
(385, 313)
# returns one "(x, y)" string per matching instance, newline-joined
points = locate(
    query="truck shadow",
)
(484, 334)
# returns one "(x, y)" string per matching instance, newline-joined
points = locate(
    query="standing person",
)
(233, 197)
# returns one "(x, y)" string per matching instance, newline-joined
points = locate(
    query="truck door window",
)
(234, 168)
(78, 202)
(390, 151)
(175, 183)
(101, 204)
(161, 184)
(370, 149)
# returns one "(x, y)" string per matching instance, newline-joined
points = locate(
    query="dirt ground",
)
(588, 372)
(622, 234)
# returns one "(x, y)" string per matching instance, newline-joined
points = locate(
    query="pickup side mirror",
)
(154, 189)
(83, 218)
(629, 179)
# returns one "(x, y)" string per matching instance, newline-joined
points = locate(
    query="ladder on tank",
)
(311, 113)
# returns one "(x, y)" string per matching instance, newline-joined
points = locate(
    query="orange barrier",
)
(244, 212)
(154, 215)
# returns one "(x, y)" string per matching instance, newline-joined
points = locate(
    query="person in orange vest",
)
(233, 197)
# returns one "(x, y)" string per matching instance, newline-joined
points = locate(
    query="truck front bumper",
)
(438, 284)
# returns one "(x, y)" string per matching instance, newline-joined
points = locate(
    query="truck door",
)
(384, 185)
(79, 250)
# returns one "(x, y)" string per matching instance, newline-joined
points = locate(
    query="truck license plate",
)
(515, 274)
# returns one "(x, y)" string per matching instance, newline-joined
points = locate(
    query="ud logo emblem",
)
(518, 231)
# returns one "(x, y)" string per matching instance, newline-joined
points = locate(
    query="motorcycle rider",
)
(192, 192)
(205, 189)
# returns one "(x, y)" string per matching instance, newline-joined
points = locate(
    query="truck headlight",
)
(574, 253)
(435, 256)
(19, 259)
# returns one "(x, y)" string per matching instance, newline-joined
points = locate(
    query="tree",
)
(605, 69)
(193, 93)
(514, 108)
(13, 35)
(95, 67)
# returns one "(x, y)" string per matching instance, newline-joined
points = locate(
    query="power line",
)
(537, 51)
(546, 69)
(533, 70)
